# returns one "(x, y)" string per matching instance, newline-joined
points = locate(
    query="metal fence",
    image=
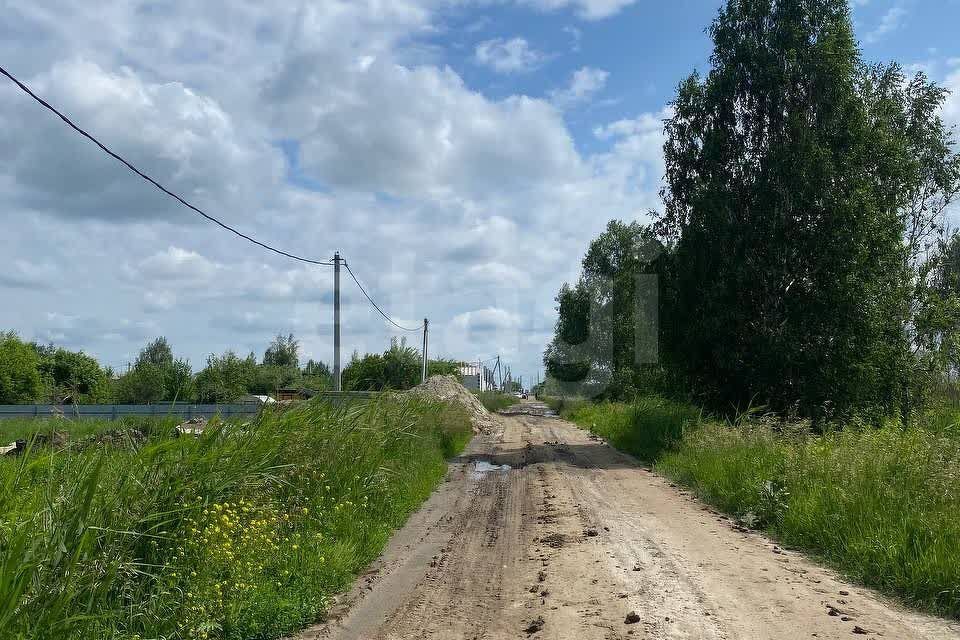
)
(114, 411)
(160, 409)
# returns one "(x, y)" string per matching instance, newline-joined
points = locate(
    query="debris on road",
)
(192, 427)
(14, 448)
(536, 625)
(632, 618)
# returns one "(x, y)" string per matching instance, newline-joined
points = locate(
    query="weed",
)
(244, 532)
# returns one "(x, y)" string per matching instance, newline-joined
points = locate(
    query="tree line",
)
(31, 372)
(802, 259)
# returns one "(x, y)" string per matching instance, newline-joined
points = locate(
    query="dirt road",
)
(541, 531)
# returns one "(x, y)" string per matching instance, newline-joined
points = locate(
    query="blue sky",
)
(460, 153)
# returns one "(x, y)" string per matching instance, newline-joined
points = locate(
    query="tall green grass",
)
(494, 400)
(76, 429)
(882, 504)
(244, 532)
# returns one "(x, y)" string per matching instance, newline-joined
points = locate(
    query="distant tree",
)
(802, 188)
(157, 353)
(604, 317)
(317, 376)
(283, 352)
(316, 368)
(156, 376)
(73, 374)
(19, 371)
(397, 368)
(267, 379)
(225, 378)
(442, 367)
(144, 384)
(936, 325)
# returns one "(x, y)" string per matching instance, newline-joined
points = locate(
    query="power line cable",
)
(375, 305)
(159, 186)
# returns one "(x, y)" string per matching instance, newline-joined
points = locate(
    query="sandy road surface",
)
(573, 537)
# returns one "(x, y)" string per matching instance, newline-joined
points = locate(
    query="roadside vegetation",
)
(76, 429)
(46, 374)
(243, 532)
(802, 285)
(496, 400)
(881, 503)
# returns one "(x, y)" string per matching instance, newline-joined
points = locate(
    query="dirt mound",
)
(449, 389)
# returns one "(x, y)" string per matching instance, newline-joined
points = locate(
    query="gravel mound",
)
(449, 389)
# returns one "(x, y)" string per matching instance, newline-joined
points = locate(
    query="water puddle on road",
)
(482, 467)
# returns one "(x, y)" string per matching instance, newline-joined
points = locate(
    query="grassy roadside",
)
(25, 428)
(242, 533)
(882, 505)
(494, 400)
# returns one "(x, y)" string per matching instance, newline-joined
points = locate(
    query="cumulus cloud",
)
(183, 138)
(317, 127)
(585, 83)
(508, 56)
(891, 20)
(587, 9)
(422, 133)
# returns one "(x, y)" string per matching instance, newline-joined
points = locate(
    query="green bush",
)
(19, 374)
(244, 532)
(880, 504)
(495, 400)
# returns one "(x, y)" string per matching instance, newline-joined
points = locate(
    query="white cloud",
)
(426, 184)
(890, 21)
(421, 133)
(585, 83)
(508, 56)
(183, 138)
(175, 265)
(490, 319)
(587, 9)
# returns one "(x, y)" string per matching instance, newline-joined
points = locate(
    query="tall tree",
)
(283, 352)
(609, 312)
(799, 185)
(19, 372)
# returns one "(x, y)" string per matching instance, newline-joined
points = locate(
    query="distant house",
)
(286, 395)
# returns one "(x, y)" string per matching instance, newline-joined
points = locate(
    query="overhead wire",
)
(23, 87)
(375, 305)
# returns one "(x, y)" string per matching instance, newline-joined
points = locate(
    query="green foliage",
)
(267, 379)
(881, 504)
(610, 311)
(156, 376)
(397, 368)
(225, 378)
(495, 400)
(283, 352)
(646, 428)
(19, 370)
(244, 532)
(443, 368)
(802, 185)
(801, 261)
(74, 375)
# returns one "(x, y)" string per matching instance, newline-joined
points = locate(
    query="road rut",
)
(541, 530)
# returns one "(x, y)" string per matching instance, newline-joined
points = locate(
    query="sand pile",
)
(449, 389)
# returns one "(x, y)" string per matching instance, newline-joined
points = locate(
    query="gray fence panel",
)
(114, 411)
